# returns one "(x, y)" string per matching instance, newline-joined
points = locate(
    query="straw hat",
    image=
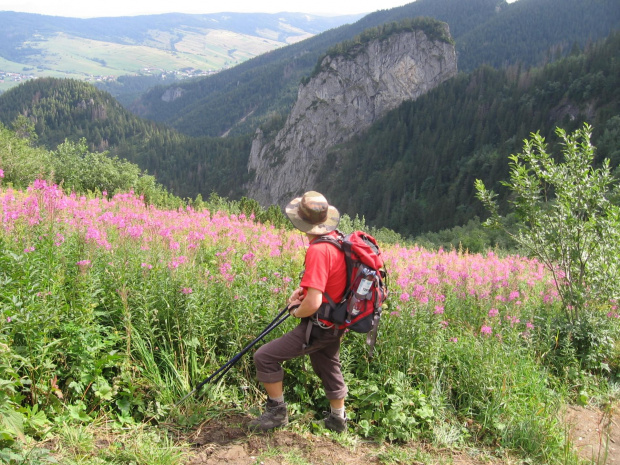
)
(312, 214)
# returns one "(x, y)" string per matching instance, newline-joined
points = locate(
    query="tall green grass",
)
(113, 309)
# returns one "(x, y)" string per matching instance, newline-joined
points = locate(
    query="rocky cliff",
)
(349, 93)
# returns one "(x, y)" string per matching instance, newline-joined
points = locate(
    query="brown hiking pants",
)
(324, 352)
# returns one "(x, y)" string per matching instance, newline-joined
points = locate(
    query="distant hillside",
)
(172, 45)
(262, 90)
(412, 171)
(69, 109)
(62, 109)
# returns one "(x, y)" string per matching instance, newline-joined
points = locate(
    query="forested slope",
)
(411, 172)
(414, 171)
(486, 32)
(66, 109)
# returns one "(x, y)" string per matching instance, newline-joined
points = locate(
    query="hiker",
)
(325, 272)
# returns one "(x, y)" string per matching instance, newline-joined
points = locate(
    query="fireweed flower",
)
(493, 312)
(186, 290)
(438, 310)
(83, 263)
(486, 330)
(454, 339)
(1, 173)
(29, 249)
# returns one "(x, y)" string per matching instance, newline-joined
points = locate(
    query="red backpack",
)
(366, 288)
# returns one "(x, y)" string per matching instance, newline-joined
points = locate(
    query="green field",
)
(64, 55)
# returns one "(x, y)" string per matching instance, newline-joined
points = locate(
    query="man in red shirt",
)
(325, 273)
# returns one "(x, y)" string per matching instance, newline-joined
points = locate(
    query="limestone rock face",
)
(170, 95)
(348, 95)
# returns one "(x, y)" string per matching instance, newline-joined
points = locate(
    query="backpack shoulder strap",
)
(336, 242)
(330, 240)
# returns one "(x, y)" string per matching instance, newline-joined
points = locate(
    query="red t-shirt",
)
(325, 270)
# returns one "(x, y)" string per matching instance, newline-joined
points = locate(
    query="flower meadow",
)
(113, 308)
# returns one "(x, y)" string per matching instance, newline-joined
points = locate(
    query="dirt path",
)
(228, 442)
(595, 435)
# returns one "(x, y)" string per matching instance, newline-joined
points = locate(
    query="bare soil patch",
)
(595, 434)
(227, 441)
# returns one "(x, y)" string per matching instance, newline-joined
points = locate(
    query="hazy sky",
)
(100, 8)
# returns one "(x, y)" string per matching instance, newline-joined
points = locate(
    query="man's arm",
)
(309, 304)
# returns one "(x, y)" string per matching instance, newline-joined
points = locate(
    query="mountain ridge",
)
(47, 45)
(351, 90)
(267, 85)
(411, 171)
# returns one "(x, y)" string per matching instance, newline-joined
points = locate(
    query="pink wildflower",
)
(493, 312)
(83, 263)
(486, 330)
(1, 173)
(454, 339)
(438, 310)
(29, 249)
(186, 290)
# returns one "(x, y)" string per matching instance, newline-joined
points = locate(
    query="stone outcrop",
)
(171, 94)
(348, 94)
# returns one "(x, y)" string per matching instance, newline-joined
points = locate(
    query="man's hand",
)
(296, 297)
(308, 304)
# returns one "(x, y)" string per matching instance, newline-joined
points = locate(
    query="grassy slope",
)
(201, 50)
(68, 47)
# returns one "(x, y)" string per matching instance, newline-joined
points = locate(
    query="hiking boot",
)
(274, 416)
(336, 423)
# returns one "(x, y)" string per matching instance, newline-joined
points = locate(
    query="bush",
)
(568, 220)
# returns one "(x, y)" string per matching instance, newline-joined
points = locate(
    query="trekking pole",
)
(221, 371)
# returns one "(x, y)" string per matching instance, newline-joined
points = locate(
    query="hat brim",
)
(329, 225)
